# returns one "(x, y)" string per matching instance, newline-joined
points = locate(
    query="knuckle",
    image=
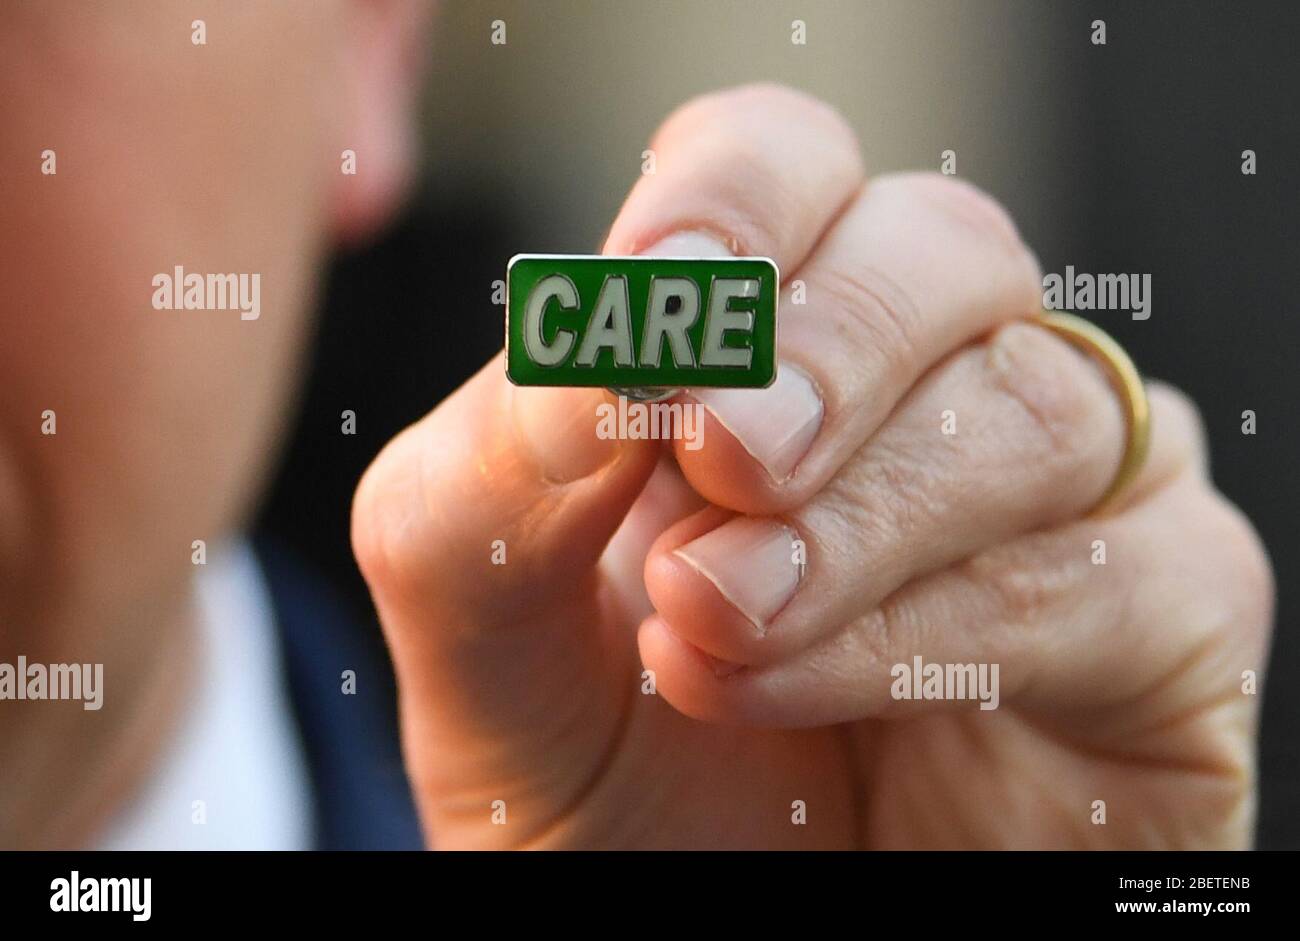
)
(737, 189)
(1217, 580)
(890, 496)
(385, 541)
(1177, 416)
(749, 164)
(734, 109)
(1072, 414)
(906, 494)
(753, 203)
(1026, 579)
(961, 201)
(877, 315)
(885, 635)
(1176, 401)
(368, 545)
(1020, 592)
(1247, 578)
(742, 142)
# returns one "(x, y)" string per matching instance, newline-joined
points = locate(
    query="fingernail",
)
(751, 561)
(775, 425)
(557, 426)
(689, 244)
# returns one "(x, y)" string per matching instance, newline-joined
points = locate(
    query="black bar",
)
(439, 890)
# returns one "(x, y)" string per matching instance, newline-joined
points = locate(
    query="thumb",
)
(478, 530)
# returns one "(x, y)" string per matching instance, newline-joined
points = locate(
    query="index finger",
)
(757, 170)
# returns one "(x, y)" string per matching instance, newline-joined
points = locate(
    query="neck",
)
(64, 769)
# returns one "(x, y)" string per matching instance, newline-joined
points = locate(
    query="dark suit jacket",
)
(363, 801)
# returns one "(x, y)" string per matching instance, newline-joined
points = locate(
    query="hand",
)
(1119, 682)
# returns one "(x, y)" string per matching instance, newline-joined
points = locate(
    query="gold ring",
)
(1127, 383)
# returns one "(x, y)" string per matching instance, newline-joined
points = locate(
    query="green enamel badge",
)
(644, 323)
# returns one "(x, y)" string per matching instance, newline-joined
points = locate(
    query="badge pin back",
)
(642, 327)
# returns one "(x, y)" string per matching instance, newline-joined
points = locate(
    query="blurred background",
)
(1123, 157)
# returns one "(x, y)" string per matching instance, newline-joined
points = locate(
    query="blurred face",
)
(128, 150)
(138, 409)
